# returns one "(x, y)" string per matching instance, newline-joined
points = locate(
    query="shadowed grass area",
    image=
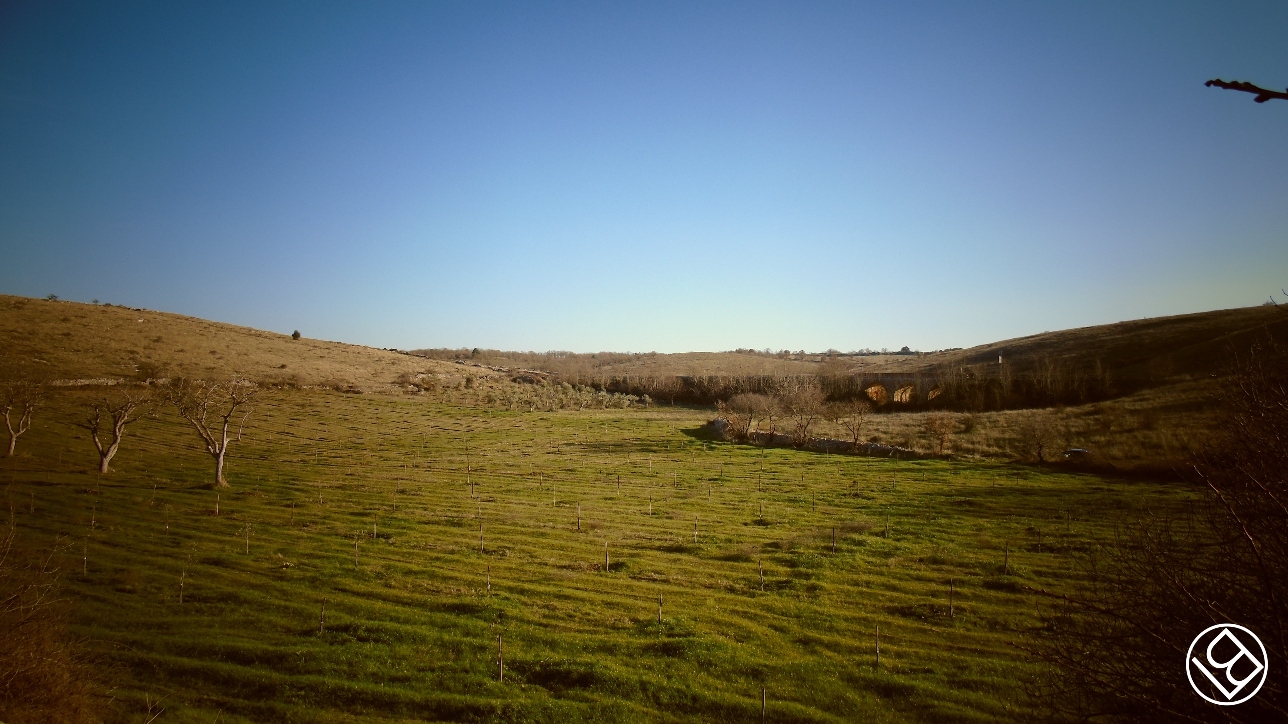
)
(374, 505)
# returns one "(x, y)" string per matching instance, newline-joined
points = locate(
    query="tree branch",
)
(1263, 94)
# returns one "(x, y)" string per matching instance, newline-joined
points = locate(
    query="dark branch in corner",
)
(1263, 94)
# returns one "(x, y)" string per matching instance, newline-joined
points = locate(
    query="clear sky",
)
(646, 176)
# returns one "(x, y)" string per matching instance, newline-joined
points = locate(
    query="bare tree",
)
(802, 400)
(44, 674)
(1263, 94)
(1116, 643)
(19, 398)
(744, 409)
(121, 410)
(210, 408)
(852, 415)
(1036, 435)
(940, 428)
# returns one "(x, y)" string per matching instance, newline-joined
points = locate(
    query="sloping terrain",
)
(67, 340)
(1186, 345)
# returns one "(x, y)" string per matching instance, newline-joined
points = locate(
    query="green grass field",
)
(365, 502)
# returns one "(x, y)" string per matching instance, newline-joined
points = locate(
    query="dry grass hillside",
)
(59, 340)
(1158, 349)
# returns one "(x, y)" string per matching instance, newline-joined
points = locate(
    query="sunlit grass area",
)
(433, 533)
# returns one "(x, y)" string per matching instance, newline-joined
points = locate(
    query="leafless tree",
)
(44, 676)
(852, 416)
(801, 399)
(1036, 435)
(121, 410)
(1116, 645)
(743, 410)
(940, 427)
(19, 398)
(210, 408)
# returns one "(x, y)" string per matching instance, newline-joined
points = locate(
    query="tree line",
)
(962, 388)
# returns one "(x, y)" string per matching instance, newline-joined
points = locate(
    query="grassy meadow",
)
(397, 512)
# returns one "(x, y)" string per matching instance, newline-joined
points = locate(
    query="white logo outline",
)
(1262, 670)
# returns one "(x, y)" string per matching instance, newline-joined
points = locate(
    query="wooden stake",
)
(216, 503)
(833, 539)
(695, 529)
(248, 539)
(950, 598)
(579, 517)
(763, 701)
(355, 553)
(322, 618)
(761, 563)
(619, 484)
(878, 640)
(489, 578)
(481, 536)
(606, 568)
(500, 661)
(183, 574)
(659, 609)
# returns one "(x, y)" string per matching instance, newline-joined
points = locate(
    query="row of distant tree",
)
(971, 388)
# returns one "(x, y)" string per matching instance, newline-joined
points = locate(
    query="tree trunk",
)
(219, 469)
(13, 442)
(105, 456)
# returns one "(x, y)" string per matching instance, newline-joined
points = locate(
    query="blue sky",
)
(651, 176)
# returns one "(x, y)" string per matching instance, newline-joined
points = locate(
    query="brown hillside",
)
(1187, 345)
(68, 340)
